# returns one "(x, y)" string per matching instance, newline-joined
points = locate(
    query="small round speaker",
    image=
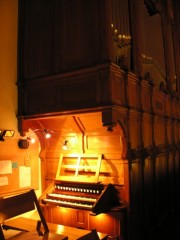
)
(23, 143)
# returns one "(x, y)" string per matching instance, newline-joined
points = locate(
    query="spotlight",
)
(6, 133)
(47, 134)
(31, 139)
(66, 145)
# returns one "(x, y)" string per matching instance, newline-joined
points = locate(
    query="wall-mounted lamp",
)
(47, 135)
(6, 133)
(31, 139)
(45, 132)
(66, 145)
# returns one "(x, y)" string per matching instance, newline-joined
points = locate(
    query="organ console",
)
(79, 198)
(92, 196)
(88, 196)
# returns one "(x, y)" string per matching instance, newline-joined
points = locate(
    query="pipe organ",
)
(93, 72)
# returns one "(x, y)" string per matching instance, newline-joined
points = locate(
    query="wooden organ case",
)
(76, 198)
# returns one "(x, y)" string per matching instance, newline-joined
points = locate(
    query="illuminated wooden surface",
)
(33, 235)
(30, 225)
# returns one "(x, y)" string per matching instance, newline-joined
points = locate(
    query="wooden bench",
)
(13, 206)
(70, 232)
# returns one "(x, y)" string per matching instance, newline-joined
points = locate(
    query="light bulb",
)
(32, 140)
(47, 135)
(65, 145)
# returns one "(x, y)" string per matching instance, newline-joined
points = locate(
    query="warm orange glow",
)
(60, 228)
(100, 217)
(32, 140)
(9, 133)
(47, 135)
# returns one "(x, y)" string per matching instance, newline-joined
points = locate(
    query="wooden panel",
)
(110, 223)
(147, 130)
(158, 103)
(90, 87)
(133, 91)
(159, 130)
(56, 48)
(70, 94)
(106, 142)
(62, 216)
(134, 123)
(176, 134)
(82, 42)
(145, 96)
(52, 166)
(169, 131)
(117, 87)
(15, 205)
(76, 90)
(81, 219)
(69, 217)
(168, 105)
(175, 109)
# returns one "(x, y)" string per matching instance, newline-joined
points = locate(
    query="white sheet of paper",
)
(3, 181)
(24, 176)
(5, 167)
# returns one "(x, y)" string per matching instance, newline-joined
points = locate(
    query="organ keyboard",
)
(93, 197)
(89, 194)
